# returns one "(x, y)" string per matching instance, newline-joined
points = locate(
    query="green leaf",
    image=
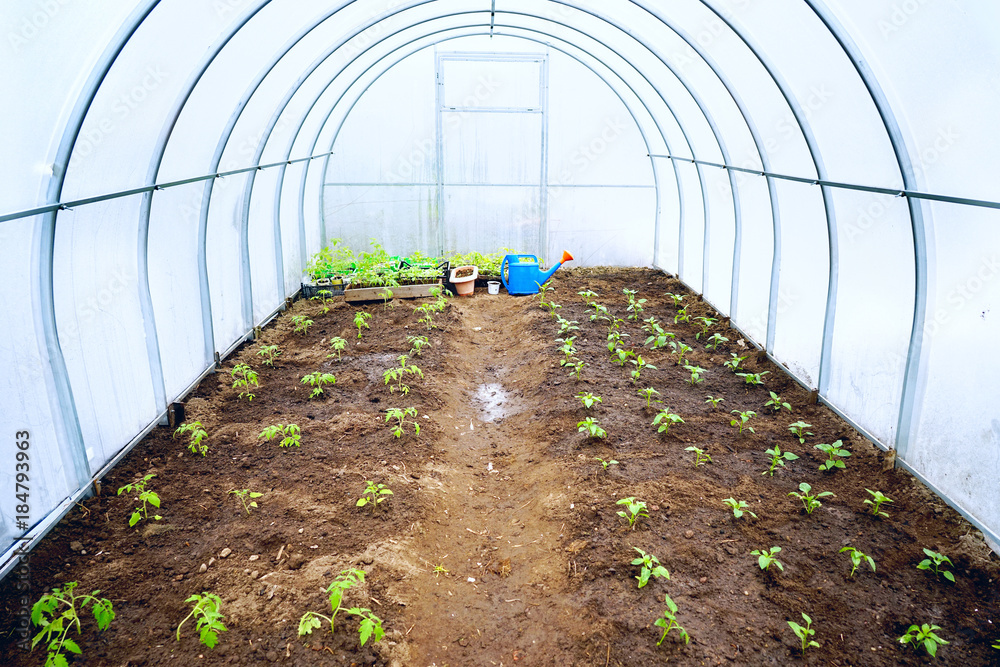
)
(949, 576)
(71, 646)
(931, 646)
(134, 519)
(209, 638)
(56, 660)
(365, 630)
(361, 502)
(308, 623)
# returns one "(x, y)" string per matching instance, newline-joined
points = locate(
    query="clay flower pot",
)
(464, 279)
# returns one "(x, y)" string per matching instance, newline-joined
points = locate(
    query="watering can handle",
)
(503, 277)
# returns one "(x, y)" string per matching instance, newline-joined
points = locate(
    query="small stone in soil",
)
(203, 568)
(689, 534)
(703, 580)
(225, 552)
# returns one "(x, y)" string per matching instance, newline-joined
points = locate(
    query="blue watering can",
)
(523, 275)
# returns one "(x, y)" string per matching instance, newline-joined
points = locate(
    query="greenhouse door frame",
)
(542, 110)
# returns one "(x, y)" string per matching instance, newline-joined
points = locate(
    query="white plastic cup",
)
(493, 287)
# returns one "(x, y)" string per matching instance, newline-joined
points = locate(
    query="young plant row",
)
(632, 510)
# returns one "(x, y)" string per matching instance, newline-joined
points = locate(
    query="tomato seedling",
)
(338, 345)
(269, 353)
(58, 612)
(243, 377)
(374, 495)
(417, 344)
(244, 495)
(400, 415)
(317, 381)
(398, 373)
(146, 496)
(207, 612)
(361, 321)
(301, 324)
(291, 434)
(196, 434)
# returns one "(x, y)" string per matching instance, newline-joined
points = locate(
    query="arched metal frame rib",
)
(918, 225)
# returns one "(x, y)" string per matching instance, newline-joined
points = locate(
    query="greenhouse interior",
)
(702, 237)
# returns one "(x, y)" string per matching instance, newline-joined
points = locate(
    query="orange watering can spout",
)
(566, 257)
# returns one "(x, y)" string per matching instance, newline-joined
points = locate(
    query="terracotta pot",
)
(465, 285)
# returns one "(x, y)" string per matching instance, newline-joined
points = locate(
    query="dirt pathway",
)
(497, 519)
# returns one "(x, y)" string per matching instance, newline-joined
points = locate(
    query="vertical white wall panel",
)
(874, 315)
(174, 285)
(804, 271)
(101, 325)
(956, 443)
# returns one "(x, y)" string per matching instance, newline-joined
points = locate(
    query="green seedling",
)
(543, 290)
(714, 401)
(996, 646)
(426, 318)
(317, 381)
(439, 570)
(552, 307)
(302, 323)
(615, 340)
(417, 343)
(739, 507)
(635, 306)
(664, 419)
(575, 367)
(269, 353)
(775, 403)
(835, 453)
(734, 362)
(804, 633)
(291, 435)
(591, 428)
(695, 372)
(936, 561)
(650, 567)
(604, 463)
(705, 323)
(208, 618)
(371, 625)
(648, 394)
(616, 322)
(924, 635)
(196, 434)
(681, 316)
(754, 379)
(338, 345)
(658, 337)
(810, 502)
(588, 399)
(634, 510)
(244, 495)
(589, 296)
(798, 429)
(650, 324)
(374, 495)
(669, 622)
(146, 496)
(700, 456)
(778, 458)
(323, 296)
(565, 326)
(243, 376)
(361, 321)
(678, 299)
(56, 613)
(742, 419)
(715, 340)
(386, 296)
(639, 364)
(600, 314)
(680, 349)
(621, 356)
(398, 373)
(766, 558)
(857, 558)
(400, 416)
(878, 498)
(567, 348)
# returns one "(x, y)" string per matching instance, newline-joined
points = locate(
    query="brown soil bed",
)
(500, 490)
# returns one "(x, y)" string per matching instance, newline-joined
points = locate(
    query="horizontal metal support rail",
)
(69, 205)
(913, 194)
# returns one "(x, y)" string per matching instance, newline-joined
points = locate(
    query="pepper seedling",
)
(835, 453)
(664, 419)
(588, 399)
(700, 456)
(778, 458)
(810, 502)
(804, 633)
(739, 507)
(775, 403)
(669, 622)
(634, 510)
(591, 428)
(766, 558)
(650, 567)
(798, 429)
(857, 558)
(923, 635)
(878, 498)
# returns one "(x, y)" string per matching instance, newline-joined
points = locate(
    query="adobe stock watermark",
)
(122, 107)
(899, 15)
(32, 23)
